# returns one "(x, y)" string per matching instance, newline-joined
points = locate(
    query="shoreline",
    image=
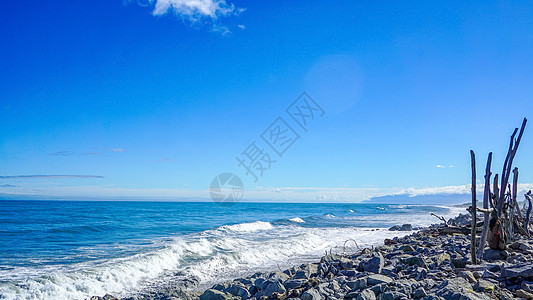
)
(427, 264)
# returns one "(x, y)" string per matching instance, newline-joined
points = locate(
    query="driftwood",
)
(528, 214)
(473, 211)
(440, 218)
(486, 199)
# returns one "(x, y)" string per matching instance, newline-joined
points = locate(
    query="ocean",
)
(77, 249)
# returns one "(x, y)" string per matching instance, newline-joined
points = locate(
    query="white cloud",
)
(441, 166)
(197, 11)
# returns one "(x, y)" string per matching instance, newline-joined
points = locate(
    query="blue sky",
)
(155, 98)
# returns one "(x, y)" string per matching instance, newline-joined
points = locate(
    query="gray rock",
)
(379, 288)
(293, 283)
(274, 287)
(420, 293)
(212, 294)
(358, 284)
(468, 276)
(311, 294)
(423, 274)
(484, 286)
(367, 295)
(527, 286)
(393, 295)
(524, 294)
(406, 227)
(374, 264)
(492, 255)
(524, 270)
(377, 279)
(440, 258)
(280, 276)
(415, 261)
(454, 288)
(407, 248)
(349, 273)
(395, 228)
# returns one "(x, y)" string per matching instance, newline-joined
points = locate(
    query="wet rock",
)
(377, 279)
(311, 294)
(374, 264)
(280, 276)
(395, 228)
(212, 294)
(349, 273)
(406, 227)
(366, 295)
(524, 270)
(484, 286)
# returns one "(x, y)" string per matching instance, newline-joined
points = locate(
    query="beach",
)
(428, 264)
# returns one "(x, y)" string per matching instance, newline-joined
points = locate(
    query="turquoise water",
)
(75, 249)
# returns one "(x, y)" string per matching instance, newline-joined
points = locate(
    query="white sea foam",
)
(248, 227)
(297, 220)
(213, 255)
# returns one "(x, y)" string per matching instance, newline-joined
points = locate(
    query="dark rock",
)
(415, 261)
(293, 283)
(527, 286)
(420, 293)
(406, 227)
(393, 295)
(492, 255)
(379, 288)
(423, 274)
(374, 264)
(524, 270)
(407, 248)
(395, 228)
(348, 273)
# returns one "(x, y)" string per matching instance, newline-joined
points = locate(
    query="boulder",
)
(484, 286)
(367, 295)
(524, 270)
(293, 283)
(414, 261)
(492, 255)
(420, 293)
(468, 276)
(374, 264)
(524, 294)
(377, 279)
(406, 227)
(212, 294)
(311, 294)
(274, 287)
(395, 228)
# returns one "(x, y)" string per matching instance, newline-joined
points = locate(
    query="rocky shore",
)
(428, 264)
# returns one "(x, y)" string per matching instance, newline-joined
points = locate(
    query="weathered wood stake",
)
(473, 210)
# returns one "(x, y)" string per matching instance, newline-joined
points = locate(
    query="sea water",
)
(77, 249)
